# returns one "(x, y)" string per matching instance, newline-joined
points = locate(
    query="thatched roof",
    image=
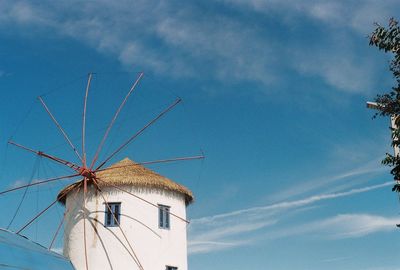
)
(127, 172)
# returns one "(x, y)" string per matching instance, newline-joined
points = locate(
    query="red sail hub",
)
(85, 172)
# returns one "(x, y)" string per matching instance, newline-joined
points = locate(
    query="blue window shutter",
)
(108, 216)
(160, 217)
(166, 217)
(163, 216)
(116, 214)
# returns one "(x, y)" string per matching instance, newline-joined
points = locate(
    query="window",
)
(171, 268)
(163, 218)
(113, 213)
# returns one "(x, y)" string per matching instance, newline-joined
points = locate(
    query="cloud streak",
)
(356, 225)
(237, 228)
(296, 203)
(341, 226)
(368, 169)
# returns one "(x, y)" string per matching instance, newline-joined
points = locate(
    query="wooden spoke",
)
(139, 132)
(60, 128)
(115, 235)
(62, 220)
(92, 222)
(40, 213)
(96, 156)
(84, 220)
(51, 157)
(153, 162)
(39, 183)
(57, 231)
(84, 120)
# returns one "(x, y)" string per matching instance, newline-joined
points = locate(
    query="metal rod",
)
(139, 132)
(96, 156)
(51, 157)
(60, 128)
(140, 198)
(153, 162)
(84, 120)
(39, 183)
(119, 226)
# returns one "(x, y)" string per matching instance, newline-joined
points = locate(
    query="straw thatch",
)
(127, 172)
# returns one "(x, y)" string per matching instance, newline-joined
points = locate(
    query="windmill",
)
(128, 182)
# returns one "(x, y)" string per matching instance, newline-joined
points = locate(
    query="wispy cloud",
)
(334, 57)
(353, 14)
(335, 259)
(236, 228)
(356, 225)
(18, 183)
(341, 68)
(217, 238)
(296, 203)
(208, 42)
(341, 226)
(334, 182)
(196, 247)
(23, 182)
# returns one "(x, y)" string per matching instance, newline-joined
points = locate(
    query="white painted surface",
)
(107, 247)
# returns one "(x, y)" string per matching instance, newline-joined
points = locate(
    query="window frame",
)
(164, 216)
(109, 221)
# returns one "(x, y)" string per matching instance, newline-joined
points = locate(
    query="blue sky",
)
(274, 94)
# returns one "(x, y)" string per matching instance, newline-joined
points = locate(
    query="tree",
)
(387, 39)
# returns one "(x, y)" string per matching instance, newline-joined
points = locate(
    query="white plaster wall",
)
(107, 247)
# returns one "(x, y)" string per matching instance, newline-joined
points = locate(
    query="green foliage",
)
(387, 39)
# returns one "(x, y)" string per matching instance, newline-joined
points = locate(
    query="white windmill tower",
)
(134, 217)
